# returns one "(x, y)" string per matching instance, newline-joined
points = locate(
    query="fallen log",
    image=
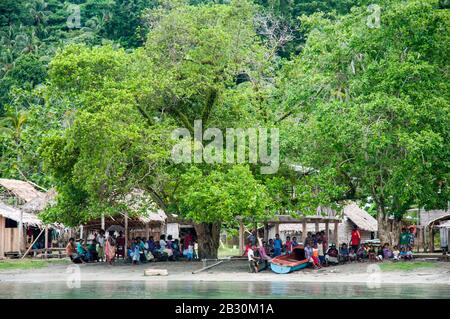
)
(156, 272)
(208, 267)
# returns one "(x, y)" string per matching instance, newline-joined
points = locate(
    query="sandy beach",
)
(231, 271)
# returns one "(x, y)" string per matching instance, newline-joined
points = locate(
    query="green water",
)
(205, 290)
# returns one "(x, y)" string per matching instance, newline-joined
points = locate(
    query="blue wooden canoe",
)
(292, 262)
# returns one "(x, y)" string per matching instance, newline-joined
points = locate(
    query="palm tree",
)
(12, 124)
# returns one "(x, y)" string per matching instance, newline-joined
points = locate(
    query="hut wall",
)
(345, 232)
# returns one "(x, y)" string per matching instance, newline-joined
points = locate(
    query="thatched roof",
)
(39, 203)
(23, 190)
(14, 214)
(360, 217)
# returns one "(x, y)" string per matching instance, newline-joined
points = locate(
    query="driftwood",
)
(156, 272)
(208, 267)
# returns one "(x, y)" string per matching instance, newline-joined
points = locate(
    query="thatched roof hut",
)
(14, 214)
(360, 217)
(39, 203)
(24, 191)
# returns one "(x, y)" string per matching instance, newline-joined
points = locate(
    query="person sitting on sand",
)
(360, 253)
(252, 260)
(277, 246)
(263, 255)
(81, 251)
(352, 255)
(406, 253)
(247, 247)
(332, 255)
(72, 252)
(343, 253)
(387, 253)
(396, 253)
(92, 249)
(380, 254)
(372, 254)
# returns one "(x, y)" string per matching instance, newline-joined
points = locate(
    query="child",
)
(343, 252)
(294, 242)
(403, 252)
(387, 253)
(396, 253)
(372, 256)
(288, 245)
(190, 252)
(360, 254)
(409, 254)
(252, 260)
(321, 252)
(315, 257)
(352, 255)
(380, 254)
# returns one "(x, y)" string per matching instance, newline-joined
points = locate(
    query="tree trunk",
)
(386, 234)
(208, 236)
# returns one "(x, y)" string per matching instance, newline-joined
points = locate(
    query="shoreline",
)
(232, 271)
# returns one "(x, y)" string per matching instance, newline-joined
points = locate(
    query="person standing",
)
(101, 245)
(277, 246)
(404, 239)
(356, 238)
(110, 250)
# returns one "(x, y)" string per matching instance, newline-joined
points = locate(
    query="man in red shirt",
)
(356, 238)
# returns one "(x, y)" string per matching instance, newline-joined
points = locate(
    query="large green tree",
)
(368, 106)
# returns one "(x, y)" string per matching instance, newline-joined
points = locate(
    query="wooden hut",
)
(20, 202)
(352, 215)
(12, 240)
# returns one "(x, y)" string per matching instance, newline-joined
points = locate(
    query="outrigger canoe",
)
(287, 263)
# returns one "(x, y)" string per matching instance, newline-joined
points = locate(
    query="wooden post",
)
(327, 230)
(126, 235)
(46, 242)
(81, 231)
(103, 221)
(317, 226)
(241, 237)
(147, 230)
(336, 233)
(431, 239)
(20, 232)
(277, 228)
(266, 232)
(2, 237)
(303, 230)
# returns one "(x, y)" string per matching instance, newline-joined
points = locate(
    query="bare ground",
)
(232, 271)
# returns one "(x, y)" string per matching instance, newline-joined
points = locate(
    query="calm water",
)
(205, 290)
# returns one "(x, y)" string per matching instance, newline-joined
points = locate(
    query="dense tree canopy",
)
(90, 93)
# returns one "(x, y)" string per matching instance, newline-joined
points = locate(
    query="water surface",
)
(206, 290)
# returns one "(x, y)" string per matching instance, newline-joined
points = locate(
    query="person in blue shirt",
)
(277, 246)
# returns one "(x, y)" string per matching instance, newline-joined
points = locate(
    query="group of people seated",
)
(319, 253)
(373, 253)
(100, 248)
(142, 250)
